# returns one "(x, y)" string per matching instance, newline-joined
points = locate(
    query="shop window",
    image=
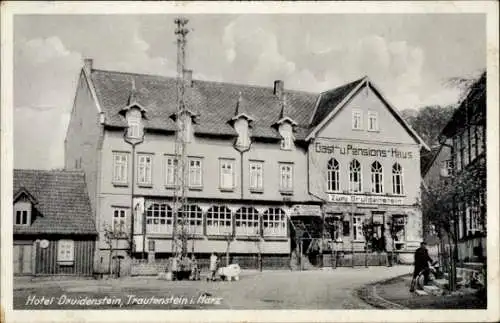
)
(355, 176)
(247, 221)
(398, 230)
(219, 221)
(333, 175)
(346, 228)
(65, 252)
(358, 228)
(334, 226)
(397, 179)
(159, 218)
(377, 178)
(274, 222)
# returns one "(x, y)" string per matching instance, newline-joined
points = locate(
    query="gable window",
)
(256, 176)
(247, 221)
(333, 175)
(119, 221)
(357, 119)
(372, 121)
(144, 169)
(22, 213)
(355, 176)
(120, 168)
(159, 218)
(65, 252)
(195, 173)
(286, 142)
(219, 221)
(170, 171)
(274, 222)
(358, 228)
(377, 178)
(226, 173)
(397, 179)
(286, 177)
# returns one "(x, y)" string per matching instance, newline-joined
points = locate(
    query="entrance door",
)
(22, 259)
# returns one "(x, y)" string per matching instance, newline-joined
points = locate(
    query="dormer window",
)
(186, 126)
(22, 213)
(286, 143)
(241, 126)
(287, 139)
(134, 130)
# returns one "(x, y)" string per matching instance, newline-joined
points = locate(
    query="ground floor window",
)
(398, 230)
(191, 218)
(247, 221)
(219, 221)
(274, 222)
(357, 224)
(159, 218)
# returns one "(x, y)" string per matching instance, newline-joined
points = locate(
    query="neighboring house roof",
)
(63, 204)
(426, 160)
(214, 102)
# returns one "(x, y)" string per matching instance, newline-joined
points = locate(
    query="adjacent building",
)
(260, 159)
(464, 137)
(54, 228)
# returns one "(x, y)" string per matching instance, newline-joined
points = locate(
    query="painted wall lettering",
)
(358, 151)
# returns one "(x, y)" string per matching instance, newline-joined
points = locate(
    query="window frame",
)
(198, 172)
(123, 164)
(374, 115)
(357, 224)
(395, 174)
(195, 214)
(222, 182)
(286, 184)
(66, 258)
(219, 214)
(146, 167)
(22, 208)
(256, 176)
(271, 219)
(359, 172)
(357, 114)
(377, 177)
(134, 127)
(247, 223)
(174, 167)
(155, 214)
(124, 229)
(333, 175)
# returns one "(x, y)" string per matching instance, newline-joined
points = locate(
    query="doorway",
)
(23, 259)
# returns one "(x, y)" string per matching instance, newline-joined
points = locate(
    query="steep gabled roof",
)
(63, 204)
(243, 109)
(213, 101)
(24, 192)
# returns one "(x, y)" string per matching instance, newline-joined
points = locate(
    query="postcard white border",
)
(490, 8)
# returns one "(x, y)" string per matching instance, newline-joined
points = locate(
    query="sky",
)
(409, 57)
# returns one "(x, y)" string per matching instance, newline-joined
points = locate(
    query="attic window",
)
(286, 143)
(357, 120)
(286, 133)
(22, 213)
(134, 127)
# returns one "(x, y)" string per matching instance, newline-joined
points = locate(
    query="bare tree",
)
(112, 233)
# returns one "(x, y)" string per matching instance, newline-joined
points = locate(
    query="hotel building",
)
(260, 161)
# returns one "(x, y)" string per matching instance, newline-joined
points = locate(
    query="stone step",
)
(433, 290)
(441, 283)
(420, 292)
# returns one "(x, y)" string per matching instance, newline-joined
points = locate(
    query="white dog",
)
(231, 272)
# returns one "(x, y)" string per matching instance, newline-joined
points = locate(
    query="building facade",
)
(465, 138)
(54, 230)
(260, 160)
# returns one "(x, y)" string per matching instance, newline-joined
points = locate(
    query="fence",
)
(356, 259)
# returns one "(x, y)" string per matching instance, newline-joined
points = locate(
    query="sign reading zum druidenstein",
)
(365, 199)
(353, 150)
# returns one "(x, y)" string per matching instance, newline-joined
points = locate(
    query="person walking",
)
(195, 274)
(422, 261)
(213, 265)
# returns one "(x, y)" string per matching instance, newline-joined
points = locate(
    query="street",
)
(318, 289)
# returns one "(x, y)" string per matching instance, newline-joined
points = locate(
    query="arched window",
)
(397, 179)
(159, 218)
(333, 175)
(355, 176)
(274, 222)
(247, 221)
(377, 178)
(219, 220)
(191, 217)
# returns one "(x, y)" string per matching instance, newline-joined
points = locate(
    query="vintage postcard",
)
(256, 161)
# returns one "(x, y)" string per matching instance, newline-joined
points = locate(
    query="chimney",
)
(278, 88)
(188, 77)
(87, 64)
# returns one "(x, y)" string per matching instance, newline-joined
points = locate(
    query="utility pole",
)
(179, 233)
